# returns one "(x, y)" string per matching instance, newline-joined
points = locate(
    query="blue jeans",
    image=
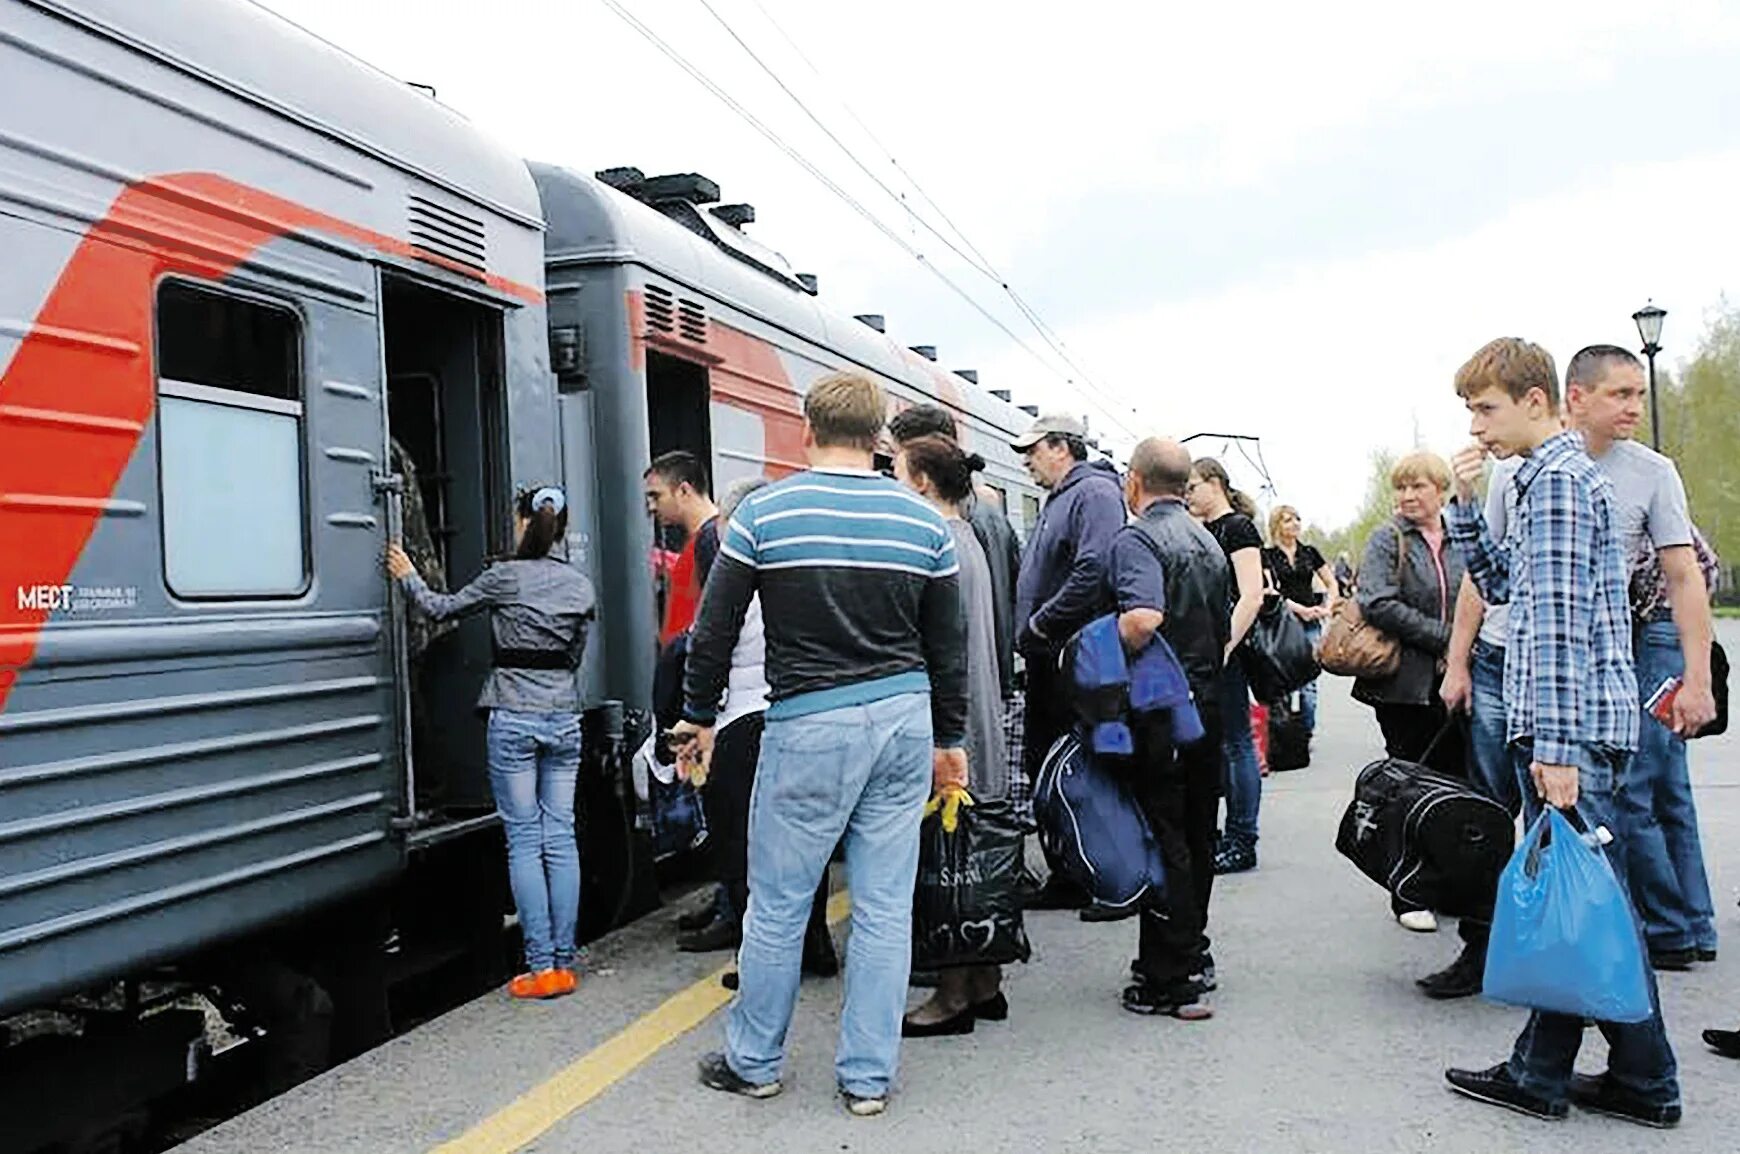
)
(1487, 731)
(1639, 1056)
(863, 771)
(1308, 695)
(1662, 852)
(534, 760)
(1244, 777)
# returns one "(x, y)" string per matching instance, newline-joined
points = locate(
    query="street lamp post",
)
(1648, 319)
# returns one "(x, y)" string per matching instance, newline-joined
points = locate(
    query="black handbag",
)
(1276, 653)
(1719, 687)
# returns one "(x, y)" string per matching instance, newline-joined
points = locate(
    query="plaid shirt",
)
(1568, 675)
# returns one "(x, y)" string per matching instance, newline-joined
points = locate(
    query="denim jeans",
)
(1639, 1056)
(1243, 777)
(1494, 772)
(863, 771)
(534, 760)
(1308, 695)
(1662, 853)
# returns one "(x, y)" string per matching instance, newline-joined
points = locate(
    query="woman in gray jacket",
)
(1407, 588)
(540, 607)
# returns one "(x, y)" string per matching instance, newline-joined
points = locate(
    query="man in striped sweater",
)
(866, 663)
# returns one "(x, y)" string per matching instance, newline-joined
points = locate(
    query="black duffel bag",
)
(1276, 653)
(966, 910)
(1430, 840)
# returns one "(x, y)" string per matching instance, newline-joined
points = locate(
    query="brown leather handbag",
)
(1353, 646)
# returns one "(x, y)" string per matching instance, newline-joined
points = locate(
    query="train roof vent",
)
(661, 310)
(875, 320)
(811, 284)
(735, 215)
(692, 321)
(928, 352)
(680, 196)
(968, 375)
(447, 235)
(1030, 410)
(1003, 395)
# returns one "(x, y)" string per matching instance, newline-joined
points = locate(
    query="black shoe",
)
(820, 960)
(1462, 978)
(703, 915)
(721, 933)
(1677, 961)
(1599, 1094)
(1058, 894)
(729, 979)
(924, 979)
(1497, 1088)
(1204, 976)
(1724, 1042)
(1235, 858)
(993, 1009)
(961, 1023)
(1181, 1000)
(1706, 955)
(717, 1074)
(1098, 913)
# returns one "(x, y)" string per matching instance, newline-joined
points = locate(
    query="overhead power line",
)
(857, 206)
(971, 254)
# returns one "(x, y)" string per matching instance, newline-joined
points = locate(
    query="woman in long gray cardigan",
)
(1412, 597)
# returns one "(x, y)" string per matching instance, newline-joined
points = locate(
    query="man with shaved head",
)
(1166, 575)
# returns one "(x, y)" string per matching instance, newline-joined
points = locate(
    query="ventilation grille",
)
(661, 310)
(692, 319)
(447, 235)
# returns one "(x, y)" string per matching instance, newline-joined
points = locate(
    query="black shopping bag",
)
(966, 910)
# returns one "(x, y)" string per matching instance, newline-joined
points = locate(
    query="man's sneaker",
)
(860, 1107)
(729, 979)
(1497, 1088)
(1235, 858)
(1708, 955)
(702, 915)
(1599, 1094)
(1181, 1000)
(722, 933)
(1677, 961)
(1462, 978)
(1724, 1042)
(1204, 977)
(717, 1074)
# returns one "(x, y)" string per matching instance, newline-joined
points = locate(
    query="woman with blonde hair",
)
(1295, 568)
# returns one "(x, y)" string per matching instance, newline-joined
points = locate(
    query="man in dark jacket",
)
(1061, 586)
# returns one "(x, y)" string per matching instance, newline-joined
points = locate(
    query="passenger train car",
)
(244, 277)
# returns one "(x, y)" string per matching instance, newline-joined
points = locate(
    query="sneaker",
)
(717, 1074)
(1497, 1088)
(1204, 977)
(543, 984)
(729, 979)
(1419, 921)
(1599, 1094)
(864, 1107)
(1462, 978)
(1708, 955)
(1235, 859)
(1724, 1042)
(722, 933)
(1677, 961)
(1181, 1000)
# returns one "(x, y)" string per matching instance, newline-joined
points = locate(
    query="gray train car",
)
(237, 262)
(671, 328)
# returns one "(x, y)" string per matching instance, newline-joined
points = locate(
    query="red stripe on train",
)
(80, 390)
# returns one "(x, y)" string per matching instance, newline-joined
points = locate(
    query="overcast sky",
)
(1280, 219)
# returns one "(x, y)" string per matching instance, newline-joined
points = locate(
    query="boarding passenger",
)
(540, 607)
(1227, 513)
(866, 664)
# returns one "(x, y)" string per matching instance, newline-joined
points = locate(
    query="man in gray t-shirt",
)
(1604, 386)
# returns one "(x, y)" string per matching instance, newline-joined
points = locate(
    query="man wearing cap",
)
(1061, 586)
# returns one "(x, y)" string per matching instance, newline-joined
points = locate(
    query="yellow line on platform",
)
(540, 1109)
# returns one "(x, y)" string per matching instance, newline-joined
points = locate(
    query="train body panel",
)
(200, 687)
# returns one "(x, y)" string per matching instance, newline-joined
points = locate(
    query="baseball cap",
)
(1049, 424)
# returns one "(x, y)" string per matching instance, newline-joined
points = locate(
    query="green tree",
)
(1374, 510)
(1700, 422)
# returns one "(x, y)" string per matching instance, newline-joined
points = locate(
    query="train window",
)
(229, 426)
(1029, 513)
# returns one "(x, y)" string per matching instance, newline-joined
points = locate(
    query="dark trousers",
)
(736, 753)
(1178, 790)
(1049, 717)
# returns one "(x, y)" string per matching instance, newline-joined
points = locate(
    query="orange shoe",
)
(544, 984)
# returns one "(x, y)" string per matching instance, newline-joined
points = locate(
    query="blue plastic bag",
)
(1563, 936)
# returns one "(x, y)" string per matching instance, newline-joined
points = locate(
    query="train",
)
(257, 295)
